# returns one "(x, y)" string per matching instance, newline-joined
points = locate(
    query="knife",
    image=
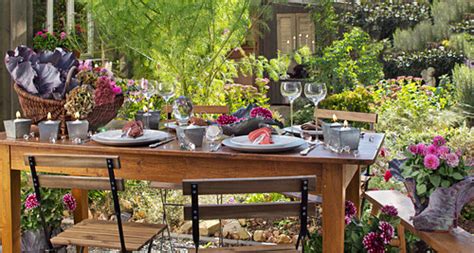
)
(306, 151)
(162, 142)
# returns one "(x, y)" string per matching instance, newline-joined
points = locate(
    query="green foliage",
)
(462, 43)
(238, 95)
(325, 19)
(463, 78)
(412, 64)
(264, 197)
(381, 19)
(444, 12)
(349, 62)
(44, 40)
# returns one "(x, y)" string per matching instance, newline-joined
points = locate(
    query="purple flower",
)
(387, 231)
(261, 112)
(225, 119)
(413, 149)
(439, 141)
(31, 202)
(373, 243)
(116, 89)
(144, 84)
(70, 202)
(85, 65)
(452, 160)
(421, 148)
(389, 210)
(347, 220)
(431, 162)
(351, 209)
(431, 150)
(62, 35)
(130, 82)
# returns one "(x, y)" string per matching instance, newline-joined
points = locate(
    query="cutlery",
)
(162, 142)
(306, 151)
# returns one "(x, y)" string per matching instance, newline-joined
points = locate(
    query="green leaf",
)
(445, 183)
(420, 189)
(457, 176)
(435, 180)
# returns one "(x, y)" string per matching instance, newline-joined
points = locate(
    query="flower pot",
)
(33, 241)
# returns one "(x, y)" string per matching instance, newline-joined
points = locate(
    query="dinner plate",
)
(297, 130)
(278, 141)
(114, 138)
(264, 148)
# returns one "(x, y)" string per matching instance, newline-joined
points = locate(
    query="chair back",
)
(109, 163)
(371, 118)
(201, 109)
(196, 187)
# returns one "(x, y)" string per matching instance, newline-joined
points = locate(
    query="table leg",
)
(10, 203)
(82, 208)
(333, 208)
(353, 191)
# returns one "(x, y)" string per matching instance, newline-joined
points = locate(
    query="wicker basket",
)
(37, 108)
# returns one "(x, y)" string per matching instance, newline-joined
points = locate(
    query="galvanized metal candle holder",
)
(77, 129)
(327, 131)
(49, 129)
(345, 137)
(153, 118)
(17, 128)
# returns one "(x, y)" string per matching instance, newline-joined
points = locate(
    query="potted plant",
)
(55, 205)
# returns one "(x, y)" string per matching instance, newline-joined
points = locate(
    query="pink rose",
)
(413, 149)
(452, 160)
(431, 162)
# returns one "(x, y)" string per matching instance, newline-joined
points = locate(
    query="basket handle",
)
(69, 76)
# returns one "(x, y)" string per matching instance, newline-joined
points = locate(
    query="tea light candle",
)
(18, 127)
(49, 129)
(345, 136)
(77, 128)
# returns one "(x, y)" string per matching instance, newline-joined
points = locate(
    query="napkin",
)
(265, 131)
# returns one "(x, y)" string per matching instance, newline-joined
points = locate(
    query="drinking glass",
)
(213, 133)
(166, 90)
(291, 90)
(148, 88)
(315, 92)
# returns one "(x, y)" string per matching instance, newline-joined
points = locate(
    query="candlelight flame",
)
(49, 116)
(77, 115)
(346, 124)
(18, 114)
(334, 117)
(145, 109)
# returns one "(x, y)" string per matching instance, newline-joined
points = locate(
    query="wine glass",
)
(315, 92)
(148, 88)
(213, 133)
(291, 90)
(166, 90)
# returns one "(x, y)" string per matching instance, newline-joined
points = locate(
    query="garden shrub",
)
(325, 19)
(349, 62)
(463, 77)
(381, 20)
(441, 59)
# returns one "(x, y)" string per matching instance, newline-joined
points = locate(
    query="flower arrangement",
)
(255, 112)
(372, 234)
(433, 165)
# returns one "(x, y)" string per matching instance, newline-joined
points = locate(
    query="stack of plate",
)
(280, 143)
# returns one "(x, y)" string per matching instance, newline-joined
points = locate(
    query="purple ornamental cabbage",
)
(41, 74)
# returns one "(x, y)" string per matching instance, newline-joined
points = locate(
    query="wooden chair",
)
(457, 240)
(196, 212)
(165, 187)
(125, 236)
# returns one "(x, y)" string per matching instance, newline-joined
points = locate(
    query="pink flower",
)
(130, 82)
(70, 202)
(39, 33)
(459, 152)
(373, 243)
(116, 89)
(431, 150)
(439, 141)
(389, 210)
(387, 175)
(347, 220)
(144, 84)
(443, 151)
(225, 119)
(351, 209)
(413, 149)
(85, 65)
(452, 160)
(431, 162)
(31, 202)
(261, 112)
(421, 148)
(387, 231)
(62, 35)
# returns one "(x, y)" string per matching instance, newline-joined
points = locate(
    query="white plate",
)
(114, 138)
(297, 130)
(263, 148)
(278, 141)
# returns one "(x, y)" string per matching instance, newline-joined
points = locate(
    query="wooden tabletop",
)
(369, 147)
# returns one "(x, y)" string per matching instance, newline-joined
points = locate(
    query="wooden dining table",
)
(337, 175)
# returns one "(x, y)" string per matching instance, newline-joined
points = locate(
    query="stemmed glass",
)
(315, 92)
(148, 88)
(166, 90)
(291, 90)
(213, 133)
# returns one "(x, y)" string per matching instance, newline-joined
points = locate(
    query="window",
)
(294, 31)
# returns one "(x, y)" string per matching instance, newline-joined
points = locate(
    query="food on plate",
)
(265, 131)
(133, 129)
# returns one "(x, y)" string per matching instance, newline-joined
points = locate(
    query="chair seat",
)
(166, 186)
(287, 248)
(104, 234)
